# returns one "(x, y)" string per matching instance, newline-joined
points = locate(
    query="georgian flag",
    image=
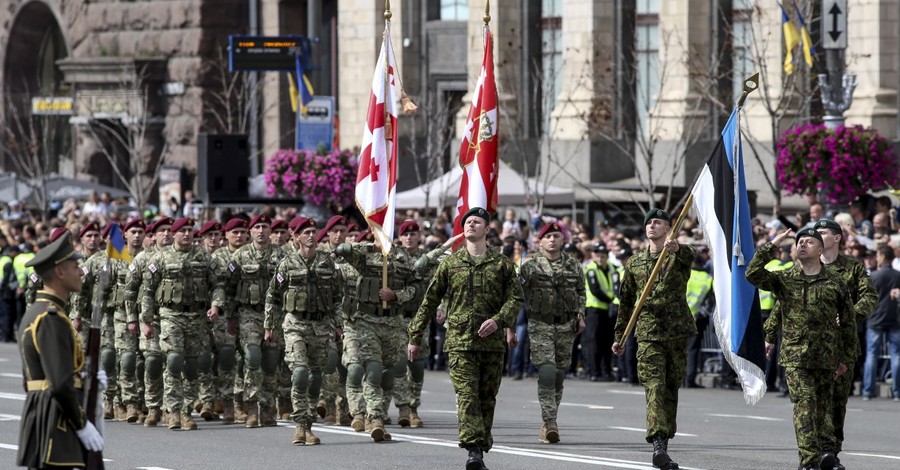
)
(478, 151)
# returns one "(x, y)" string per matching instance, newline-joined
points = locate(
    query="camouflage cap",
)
(809, 232)
(657, 214)
(829, 224)
(478, 212)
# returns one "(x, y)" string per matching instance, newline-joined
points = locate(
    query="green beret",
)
(53, 254)
(657, 214)
(809, 232)
(477, 212)
(829, 224)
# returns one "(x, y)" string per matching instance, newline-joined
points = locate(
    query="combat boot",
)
(266, 417)
(187, 422)
(240, 413)
(285, 407)
(153, 417)
(299, 438)
(311, 439)
(219, 405)
(343, 414)
(358, 423)
(476, 459)
(131, 413)
(227, 413)
(252, 415)
(552, 432)
(377, 432)
(828, 460)
(198, 405)
(403, 420)
(321, 409)
(660, 453)
(173, 421)
(837, 463)
(368, 427)
(330, 418)
(414, 420)
(108, 412)
(207, 413)
(119, 412)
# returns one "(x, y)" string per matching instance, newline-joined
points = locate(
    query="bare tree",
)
(430, 141)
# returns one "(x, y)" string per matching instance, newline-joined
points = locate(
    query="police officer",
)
(483, 296)
(54, 432)
(555, 307)
(700, 298)
(182, 287)
(814, 307)
(125, 328)
(8, 287)
(304, 297)
(600, 277)
(229, 382)
(662, 330)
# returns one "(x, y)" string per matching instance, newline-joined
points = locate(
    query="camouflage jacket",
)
(248, 276)
(812, 311)
(80, 302)
(90, 281)
(348, 289)
(665, 314)
(476, 289)
(188, 281)
(133, 280)
(222, 257)
(308, 288)
(554, 289)
(367, 261)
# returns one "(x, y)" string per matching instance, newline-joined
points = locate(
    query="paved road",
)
(601, 427)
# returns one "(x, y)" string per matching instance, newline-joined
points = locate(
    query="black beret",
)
(478, 212)
(829, 224)
(809, 232)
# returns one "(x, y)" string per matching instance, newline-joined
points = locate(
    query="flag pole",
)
(750, 85)
(387, 133)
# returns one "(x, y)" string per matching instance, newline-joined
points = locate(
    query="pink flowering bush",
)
(840, 164)
(320, 179)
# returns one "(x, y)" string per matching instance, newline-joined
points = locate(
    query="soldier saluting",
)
(54, 429)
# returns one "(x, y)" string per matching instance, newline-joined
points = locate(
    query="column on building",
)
(873, 55)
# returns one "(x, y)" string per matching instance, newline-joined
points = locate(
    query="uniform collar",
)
(44, 295)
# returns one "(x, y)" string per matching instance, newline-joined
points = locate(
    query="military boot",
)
(343, 413)
(321, 409)
(131, 413)
(173, 421)
(403, 419)
(252, 415)
(828, 460)
(219, 405)
(108, 412)
(187, 422)
(266, 416)
(414, 420)
(227, 412)
(552, 432)
(542, 435)
(207, 413)
(330, 418)
(299, 438)
(153, 417)
(661, 454)
(358, 423)
(285, 407)
(311, 439)
(837, 463)
(198, 405)
(476, 459)
(120, 412)
(377, 429)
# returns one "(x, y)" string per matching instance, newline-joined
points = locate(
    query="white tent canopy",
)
(444, 191)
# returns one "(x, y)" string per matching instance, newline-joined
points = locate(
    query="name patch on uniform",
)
(279, 278)
(152, 268)
(232, 266)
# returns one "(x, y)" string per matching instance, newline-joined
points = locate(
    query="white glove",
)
(90, 438)
(102, 380)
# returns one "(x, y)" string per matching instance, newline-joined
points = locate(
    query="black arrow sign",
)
(835, 12)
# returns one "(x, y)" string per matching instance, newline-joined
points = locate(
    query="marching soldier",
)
(90, 245)
(555, 304)
(250, 271)
(304, 296)
(179, 285)
(280, 232)
(54, 431)
(662, 329)
(211, 237)
(813, 347)
(126, 329)
(483, 296)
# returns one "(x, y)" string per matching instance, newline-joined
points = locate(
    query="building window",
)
(551, 57)
(741, 44)
(647, 58)
(454, 10)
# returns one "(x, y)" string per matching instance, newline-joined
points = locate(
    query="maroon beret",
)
(549, 228)
(234, 223)
(321, 235)
(159, 223)
(299, 223)
(279, 224)
(182, 223)
(58, 232)
(105, 232)
(335, 220)
(196, 233)
(352, 227)
(139, 223)
(365, 235)
(408, 225)
(210, 226)
(91, 227)
(260, 219)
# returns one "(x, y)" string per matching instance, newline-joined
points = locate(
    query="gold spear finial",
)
(487, 11)
(387, 10)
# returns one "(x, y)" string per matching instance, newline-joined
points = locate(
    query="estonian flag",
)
(720, 200)
(115, 246)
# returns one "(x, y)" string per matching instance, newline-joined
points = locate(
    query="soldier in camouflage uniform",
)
(90, 245)
(281, 237)
(229, 365)
(281, 234)
(483, 296)
(126, 328)
(304, 297)
(183, 287)
(814, 304)
(863, 297)
(211, 237)
(555, 307)
(249, 273)
(662, 330)
(370, 349)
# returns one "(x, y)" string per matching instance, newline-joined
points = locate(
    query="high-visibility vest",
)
(604, 278)
(698, 287)
(4, 260)
(766, 299)
(19, 266)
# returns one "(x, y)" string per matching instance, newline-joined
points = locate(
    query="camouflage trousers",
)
(152, 386)
(225, 370)
(108, 342)
(475, 376)
(260, 385)
(551, 353)
(840, 393)
(126, 343)
(661, 367)
(180, 335)
(408, 382)
(306, 345)
(811, 391)
(372, 344)
(334, 377)
(206, 380)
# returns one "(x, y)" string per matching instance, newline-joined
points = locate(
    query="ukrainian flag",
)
(809, 50)
(300, 97)
(115, 246)
(791, 40)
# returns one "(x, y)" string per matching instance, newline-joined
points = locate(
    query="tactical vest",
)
(698, 287)
(310, 290)
(606, 285)
(370, 283)
(253, 278)
(552, 298)
(183, 281)
(766, 299)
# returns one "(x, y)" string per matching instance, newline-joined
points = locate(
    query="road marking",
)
(626, 392)
(582, 405)
(9, 446)
(625, 428)
(892, 457)
(759, 418)
(449, 412)
(152, 468)
(12, 396)
(6, 417)
(10, 376)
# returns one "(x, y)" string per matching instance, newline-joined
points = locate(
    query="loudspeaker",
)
(223, 167)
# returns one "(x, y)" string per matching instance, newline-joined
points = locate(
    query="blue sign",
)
(315, 129)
